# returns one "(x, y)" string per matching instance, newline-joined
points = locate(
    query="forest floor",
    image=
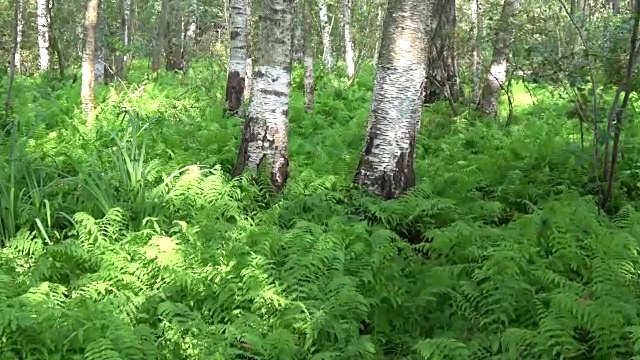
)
(131, 241)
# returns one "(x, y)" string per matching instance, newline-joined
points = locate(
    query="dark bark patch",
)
(234, 34)
(387, 185)
(273, 92)
(249, 135)
(235, 92)
(280, 171)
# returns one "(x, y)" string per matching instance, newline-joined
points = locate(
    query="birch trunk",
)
(297, 46)
(327, 53)
(309, 85)
(237, 57)
(348, 43)
(386, 166)
(249, 61)
(19, 31)
(379, 24)
(189, 32)
(264, 136)
(100, 54)
(42, 20)
(89, 56)
(490, 95)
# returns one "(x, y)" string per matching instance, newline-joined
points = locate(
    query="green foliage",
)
(133, 242)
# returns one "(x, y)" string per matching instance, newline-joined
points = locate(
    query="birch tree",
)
(42, 20)
(386, 166)
(309, 84)
(348, 43)
(238, 35)
(19, 31)
(87, 94)
(327, 50)
(497, 74)
(264, 136)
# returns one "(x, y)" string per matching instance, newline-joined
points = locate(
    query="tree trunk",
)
(12, 59)
(123, 27)
(264, 136)
(237, 57)
(297, 46)
(249, 61)
(42, 20)
(54, 45)
(475, 60)
(379, 21)
(442, 71)
(348, 43)
(490, 95)
(89, 56)
(615, 7)
(19, 31)
(161, 36)
(386, 165)
(309, 85)
(100, 50)
(174, 51)
(189, 33)
(327, 54)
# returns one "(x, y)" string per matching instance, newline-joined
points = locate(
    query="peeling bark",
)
(264, 136)
(386, 166)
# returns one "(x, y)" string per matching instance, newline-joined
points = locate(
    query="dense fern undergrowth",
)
(131, 241)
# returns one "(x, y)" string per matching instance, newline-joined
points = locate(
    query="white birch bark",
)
(379, 20)
(249, 61)
(348, 43)
(309, 84)
(386, 166)
(490, 95)
(237, 56)
(19, 31)
(327, 53)
(264, 136)
(126, 36)
(297, 46)
(87, 94)
(99, 64)
(193, 16)
(42, 20)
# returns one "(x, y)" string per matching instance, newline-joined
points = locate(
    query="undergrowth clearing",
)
(131, 241)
